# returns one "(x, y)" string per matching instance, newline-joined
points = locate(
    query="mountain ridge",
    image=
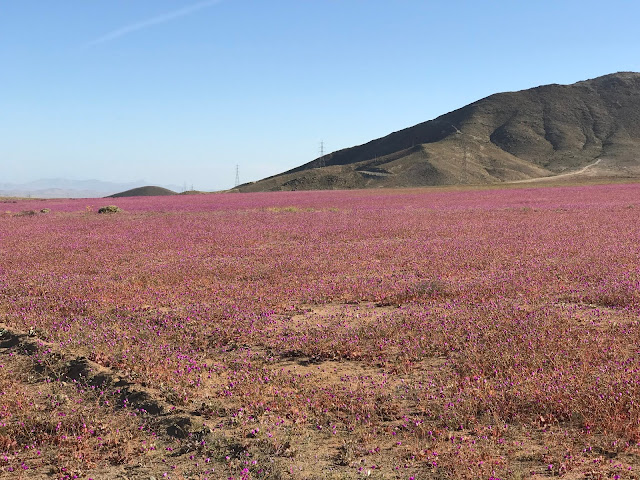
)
(537, 133)
(67, 188)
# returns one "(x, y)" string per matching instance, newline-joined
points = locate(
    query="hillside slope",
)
(591, 128)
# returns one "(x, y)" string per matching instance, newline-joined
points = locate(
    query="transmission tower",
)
(321, 163)
(237, 176)
(465, 167)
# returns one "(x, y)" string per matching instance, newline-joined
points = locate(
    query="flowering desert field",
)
(400, 334)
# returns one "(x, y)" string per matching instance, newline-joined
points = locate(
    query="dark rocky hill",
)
(148, 191)
(590, 128)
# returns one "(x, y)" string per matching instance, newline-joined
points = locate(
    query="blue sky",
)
(180, 91)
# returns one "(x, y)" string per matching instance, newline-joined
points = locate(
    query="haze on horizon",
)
(177, 92)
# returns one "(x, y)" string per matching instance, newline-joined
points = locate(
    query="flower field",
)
(402, 334)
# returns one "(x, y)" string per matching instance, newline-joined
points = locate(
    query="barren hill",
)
(148, 191)
(590, 128)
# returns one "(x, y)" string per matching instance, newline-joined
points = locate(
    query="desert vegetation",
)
(109, 209)
(408, 334)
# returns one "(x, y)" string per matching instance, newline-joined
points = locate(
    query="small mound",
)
(148, 191)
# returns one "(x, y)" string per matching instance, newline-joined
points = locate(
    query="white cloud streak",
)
(167, 17)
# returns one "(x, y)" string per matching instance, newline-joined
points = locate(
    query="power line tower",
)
(237, 176)
(322, 163)
(465, 166)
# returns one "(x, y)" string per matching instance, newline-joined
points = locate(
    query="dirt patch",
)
(598, 316)
(66, 367)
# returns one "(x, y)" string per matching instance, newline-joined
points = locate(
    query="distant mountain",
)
(65, 188)
(590, 128)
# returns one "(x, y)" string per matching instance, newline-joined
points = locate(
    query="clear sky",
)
(180, 91)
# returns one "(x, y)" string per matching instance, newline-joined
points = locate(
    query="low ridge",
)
(148, 191)
(590, 128)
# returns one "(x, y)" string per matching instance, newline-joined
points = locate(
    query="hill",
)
(148, 191)
(590, 128)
